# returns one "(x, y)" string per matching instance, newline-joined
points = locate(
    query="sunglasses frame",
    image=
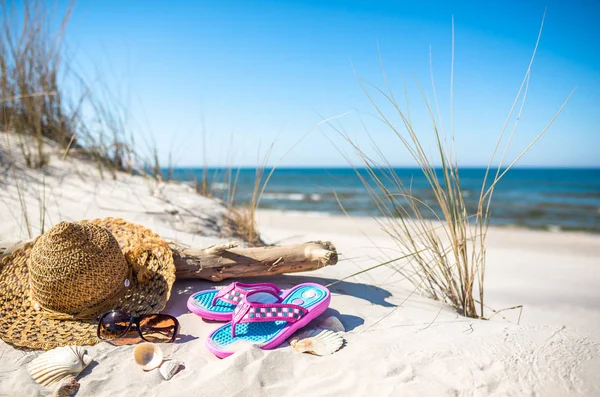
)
(136, 320)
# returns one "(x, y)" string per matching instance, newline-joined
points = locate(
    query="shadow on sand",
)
(182, 289)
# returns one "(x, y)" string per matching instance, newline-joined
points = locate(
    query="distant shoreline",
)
(319, 214)
(531, 198)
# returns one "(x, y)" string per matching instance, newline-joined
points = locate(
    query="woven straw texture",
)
(78, 270)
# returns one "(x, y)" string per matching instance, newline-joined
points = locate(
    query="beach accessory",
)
(55, 365)
(218, 305)
(270, 322)
(53, 288)
(148, 356)
(155, 328)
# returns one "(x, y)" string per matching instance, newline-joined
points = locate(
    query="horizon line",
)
(587, 167)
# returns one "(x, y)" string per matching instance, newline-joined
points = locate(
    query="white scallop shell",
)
(148, 356)
(57, 364)
(320, 342)
(169, 368)
(332, 323)
(66, 388)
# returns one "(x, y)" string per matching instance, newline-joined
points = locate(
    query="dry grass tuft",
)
(31, 64)
(445, 242)
(42, 96)
(242, 219)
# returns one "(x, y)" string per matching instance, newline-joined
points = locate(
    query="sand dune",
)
(398, 343)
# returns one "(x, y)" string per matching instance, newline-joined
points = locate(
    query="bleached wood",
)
(220, 262)
(216, 264)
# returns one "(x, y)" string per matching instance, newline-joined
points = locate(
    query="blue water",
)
(529, 197)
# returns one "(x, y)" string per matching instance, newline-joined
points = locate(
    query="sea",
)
(539, 198)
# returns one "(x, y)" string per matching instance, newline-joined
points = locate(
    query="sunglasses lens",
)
(113, 325)
(158, 328)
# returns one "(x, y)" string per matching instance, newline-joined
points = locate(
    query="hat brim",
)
(24, 326)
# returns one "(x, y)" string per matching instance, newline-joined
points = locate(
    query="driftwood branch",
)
(220, 262)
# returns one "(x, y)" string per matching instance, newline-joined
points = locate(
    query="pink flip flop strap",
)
(235, 291)
(254, 312)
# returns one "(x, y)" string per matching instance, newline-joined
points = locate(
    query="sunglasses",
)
(155, 328)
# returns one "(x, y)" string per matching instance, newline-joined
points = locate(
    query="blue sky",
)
(253, 72)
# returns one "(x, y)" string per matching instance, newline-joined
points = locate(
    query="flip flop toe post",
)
(219, 305)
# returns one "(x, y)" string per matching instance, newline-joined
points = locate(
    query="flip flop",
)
(264, 318)
(218, 305)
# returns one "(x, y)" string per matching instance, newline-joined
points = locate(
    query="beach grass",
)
(444, 242)
(242, 217)
(30, 67)
(43, 96)
(92, 124)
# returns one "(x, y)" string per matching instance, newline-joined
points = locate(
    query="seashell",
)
(332, 323)
(321, 342)
(169, 368)
(148, 356)
(66, 387)
(58, 364)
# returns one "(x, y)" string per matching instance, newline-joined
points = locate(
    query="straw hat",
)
(53, 289)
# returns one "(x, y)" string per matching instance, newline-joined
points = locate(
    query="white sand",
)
(420, 348)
